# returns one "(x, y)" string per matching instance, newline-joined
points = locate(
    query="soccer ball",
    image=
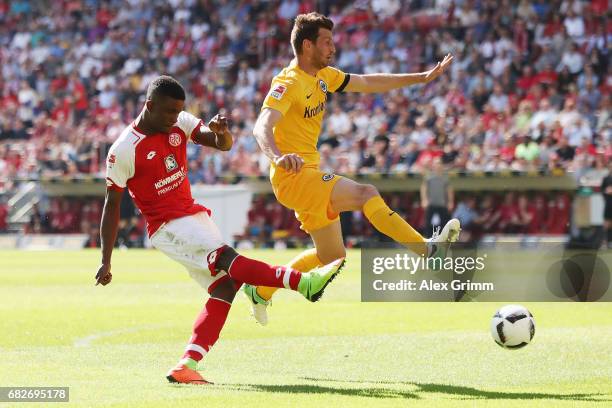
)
(512, 327)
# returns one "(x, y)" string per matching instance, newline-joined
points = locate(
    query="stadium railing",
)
(89, 185)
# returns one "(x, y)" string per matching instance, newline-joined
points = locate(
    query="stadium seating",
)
(529, 88)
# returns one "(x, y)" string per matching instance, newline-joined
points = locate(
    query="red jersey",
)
(154, 169)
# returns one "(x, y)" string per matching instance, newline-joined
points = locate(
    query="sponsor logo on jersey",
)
(151, 155)
(171, 163)
(323, 85)
(278, 91)
(310, 112)
(171, 182)
(167, 180)
(111, 160)
(327, 177)
(174, 139)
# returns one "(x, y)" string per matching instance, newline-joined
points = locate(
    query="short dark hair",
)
(166, 86)
(306, 27)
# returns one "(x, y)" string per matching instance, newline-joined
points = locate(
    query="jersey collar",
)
(301, 71)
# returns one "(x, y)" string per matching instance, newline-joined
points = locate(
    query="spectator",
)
(565, 151)
(558, 215)
(509, 221)
(437, 197)
(572, 59)
(339, 122)
(589, 96)
(574, 25)
(525, 215)
(527, 150)
(378, 159)
(467, 214)
(545, 116)
(39, 221)
(489, 215)
(499, 101)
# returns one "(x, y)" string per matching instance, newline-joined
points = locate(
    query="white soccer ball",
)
(513, 327)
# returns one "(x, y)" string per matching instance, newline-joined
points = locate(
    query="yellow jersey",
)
(302, 99)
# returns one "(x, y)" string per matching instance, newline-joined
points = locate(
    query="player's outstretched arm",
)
(373, 83)
(263, 132)
(108, 233)
(216, 134)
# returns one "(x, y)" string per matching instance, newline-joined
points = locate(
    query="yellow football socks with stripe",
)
(391, 224)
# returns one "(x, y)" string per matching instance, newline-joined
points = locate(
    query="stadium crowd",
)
(529, 87)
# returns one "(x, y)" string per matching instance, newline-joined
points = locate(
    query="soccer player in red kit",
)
(150, 159)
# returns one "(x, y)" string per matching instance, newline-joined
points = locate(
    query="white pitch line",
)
(87, 340)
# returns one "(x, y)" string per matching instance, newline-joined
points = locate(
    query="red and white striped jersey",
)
(154, 169)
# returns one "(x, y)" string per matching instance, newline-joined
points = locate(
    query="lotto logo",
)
(212, 257)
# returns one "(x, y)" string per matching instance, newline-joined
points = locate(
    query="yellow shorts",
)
(308, 193)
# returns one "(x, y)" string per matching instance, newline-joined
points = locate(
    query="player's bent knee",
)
(367, 191)
(221, 259)
(225, 290)
(330, 256)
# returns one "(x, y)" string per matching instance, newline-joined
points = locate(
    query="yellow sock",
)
(391, 224)
(304, 262)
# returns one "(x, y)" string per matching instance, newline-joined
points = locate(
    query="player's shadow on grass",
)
(372, 392)
(466, 392)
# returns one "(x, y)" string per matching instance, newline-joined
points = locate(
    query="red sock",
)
(206, 328)
(261, 274)
(236, 284)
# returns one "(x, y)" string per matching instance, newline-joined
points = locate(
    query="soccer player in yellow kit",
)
(287, 131)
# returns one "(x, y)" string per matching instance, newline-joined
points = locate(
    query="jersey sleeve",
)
(336, 80)
(119, 166)
(188, 123)
(281, 95)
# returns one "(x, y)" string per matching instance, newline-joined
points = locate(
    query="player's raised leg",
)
(303, 262)
(240, 268)
(348, 195)
(328, 247)
(328, 242)
(259, 296)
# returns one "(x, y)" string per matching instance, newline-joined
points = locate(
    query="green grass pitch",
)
(113, 345)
